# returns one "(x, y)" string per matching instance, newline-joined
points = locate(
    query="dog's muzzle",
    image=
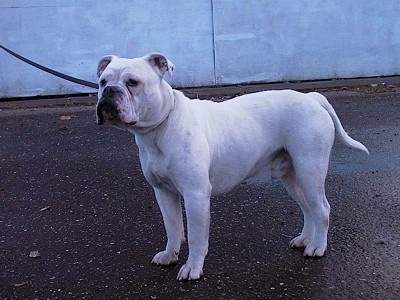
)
(107, 107)
(106, 110)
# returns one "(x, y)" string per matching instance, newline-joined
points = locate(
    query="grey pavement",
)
(74, 192)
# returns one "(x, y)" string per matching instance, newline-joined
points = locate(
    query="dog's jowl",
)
(194, 149)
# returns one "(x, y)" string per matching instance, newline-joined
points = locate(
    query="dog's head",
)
(132, 93)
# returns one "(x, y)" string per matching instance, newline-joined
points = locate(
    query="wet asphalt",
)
(74, 192)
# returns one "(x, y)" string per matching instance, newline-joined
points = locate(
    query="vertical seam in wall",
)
(213, 41)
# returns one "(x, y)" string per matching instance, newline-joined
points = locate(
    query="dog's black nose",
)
(110, 91)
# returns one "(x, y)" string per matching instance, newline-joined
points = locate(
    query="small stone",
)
(34, 254)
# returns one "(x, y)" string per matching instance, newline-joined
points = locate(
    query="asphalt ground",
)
(79, 221)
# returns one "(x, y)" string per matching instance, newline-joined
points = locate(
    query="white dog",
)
(196, 149)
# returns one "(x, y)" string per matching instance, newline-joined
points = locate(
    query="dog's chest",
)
(156, 176)
(156, 171)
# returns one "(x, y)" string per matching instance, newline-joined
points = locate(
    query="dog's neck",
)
(167, 108)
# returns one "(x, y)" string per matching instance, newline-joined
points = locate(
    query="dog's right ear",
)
(103, 63)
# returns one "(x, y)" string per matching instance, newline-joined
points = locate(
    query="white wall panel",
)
(303, 40)
(72, 35)
(210, 41)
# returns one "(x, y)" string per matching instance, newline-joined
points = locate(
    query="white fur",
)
(195, 149)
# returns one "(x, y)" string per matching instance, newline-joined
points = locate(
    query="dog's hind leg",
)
(292, 186)
(319, 209)
(306, 184)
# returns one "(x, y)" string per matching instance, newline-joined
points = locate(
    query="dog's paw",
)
(165, 258)
(315, 250)
(188, 272)
(299, 242)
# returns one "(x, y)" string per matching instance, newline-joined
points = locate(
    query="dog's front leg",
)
(197, 206)
(171, 210)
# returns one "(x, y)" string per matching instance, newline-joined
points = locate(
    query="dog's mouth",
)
(108, 112)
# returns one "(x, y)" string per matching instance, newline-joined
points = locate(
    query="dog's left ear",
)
(160, 63)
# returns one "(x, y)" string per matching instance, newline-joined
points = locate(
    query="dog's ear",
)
(103, 63)
(160, 63)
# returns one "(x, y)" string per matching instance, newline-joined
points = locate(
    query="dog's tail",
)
(340, 132)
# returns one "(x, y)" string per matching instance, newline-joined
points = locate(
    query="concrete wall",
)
(300, 40)
(210, 41)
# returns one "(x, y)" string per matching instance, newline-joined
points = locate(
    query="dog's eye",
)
(103, 82)
(132, 82)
